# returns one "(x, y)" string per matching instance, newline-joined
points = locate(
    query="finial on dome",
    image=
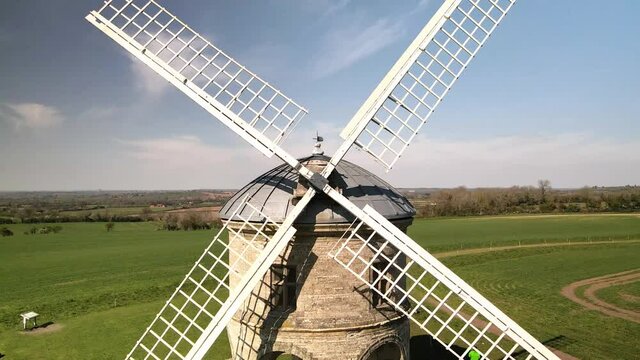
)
(317, 148)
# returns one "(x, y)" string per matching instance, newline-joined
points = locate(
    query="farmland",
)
(526, 284)
(624, 296)
(100, 289)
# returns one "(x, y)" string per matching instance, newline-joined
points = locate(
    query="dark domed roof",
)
(273, 191)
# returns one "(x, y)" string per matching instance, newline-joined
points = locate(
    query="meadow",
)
(100, 289)
(624, 296)
(526, 284)
(444, 234)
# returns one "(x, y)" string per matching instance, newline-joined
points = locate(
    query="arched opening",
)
(278, 355)
(385, 351)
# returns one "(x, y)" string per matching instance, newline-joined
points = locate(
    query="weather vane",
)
(317, 148)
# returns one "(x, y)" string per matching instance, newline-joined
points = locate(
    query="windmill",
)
(417, 285)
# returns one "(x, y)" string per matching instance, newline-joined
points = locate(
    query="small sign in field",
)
(29, 316)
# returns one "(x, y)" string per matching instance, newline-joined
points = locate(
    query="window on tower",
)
(379, 279)
(283, 287)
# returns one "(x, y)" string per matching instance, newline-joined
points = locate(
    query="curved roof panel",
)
(273, 192)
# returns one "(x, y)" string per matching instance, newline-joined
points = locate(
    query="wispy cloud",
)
(146, 80)
(343, 47)
(31, 115)
(335, 6)
(423, 3)
(320, 7)
(568, 160)
(183, 162)
(181, 152)
(271, 61)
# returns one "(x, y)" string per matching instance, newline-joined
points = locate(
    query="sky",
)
(553, 95)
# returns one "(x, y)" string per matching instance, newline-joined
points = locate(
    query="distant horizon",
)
(236, 189)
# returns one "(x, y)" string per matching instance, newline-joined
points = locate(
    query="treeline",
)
(94, 206)
(95, 200)
(189, 221)
(526, 200)
(56, 217)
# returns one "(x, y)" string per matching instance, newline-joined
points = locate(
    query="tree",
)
(217, 222)
(5, 231)
(146, 214)
(109, 226)
(544, 186)
(169, 222)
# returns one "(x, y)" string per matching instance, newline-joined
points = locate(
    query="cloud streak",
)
(343, 47)
(568, 160)
(31, 115)
(146, 80)
(187, 162)
(178, 152)
(333, 7)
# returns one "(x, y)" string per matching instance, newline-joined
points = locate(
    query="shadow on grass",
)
(41, 326)
(1, 355)
(425, 347)
(559, 342)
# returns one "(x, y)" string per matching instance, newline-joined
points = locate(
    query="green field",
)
(625, 296)
(102, 289)
(442, 234)
(112, 211)
(526, 285)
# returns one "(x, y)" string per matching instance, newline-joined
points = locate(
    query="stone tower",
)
(308, 306)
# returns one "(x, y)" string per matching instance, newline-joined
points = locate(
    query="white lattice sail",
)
(394, 267)
(401, 104)
(201, 70)
(399, 271)
(185, 318)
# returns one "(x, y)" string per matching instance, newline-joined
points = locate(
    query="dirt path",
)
(592, 302)
(43, 330)
(207, 209)
(481, 324)
(526, 246)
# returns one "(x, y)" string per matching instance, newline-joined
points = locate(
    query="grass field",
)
(625, 296)
(472, 232)
(84, 268)
(526, 285)
(113, 211)
(102, 289)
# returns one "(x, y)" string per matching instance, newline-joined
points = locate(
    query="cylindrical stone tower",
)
(308, 305)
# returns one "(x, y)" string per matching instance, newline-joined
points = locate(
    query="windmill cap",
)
(275, 193)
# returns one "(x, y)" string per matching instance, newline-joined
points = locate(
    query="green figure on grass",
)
(474, 355)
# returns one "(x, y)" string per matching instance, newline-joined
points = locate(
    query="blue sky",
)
(553, 95)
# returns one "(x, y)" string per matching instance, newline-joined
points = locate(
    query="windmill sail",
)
(415, 282)
(407, 277)
(239, 98)
(401, 104)
(203, 302)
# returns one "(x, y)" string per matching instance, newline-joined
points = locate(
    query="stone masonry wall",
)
(333, 319)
